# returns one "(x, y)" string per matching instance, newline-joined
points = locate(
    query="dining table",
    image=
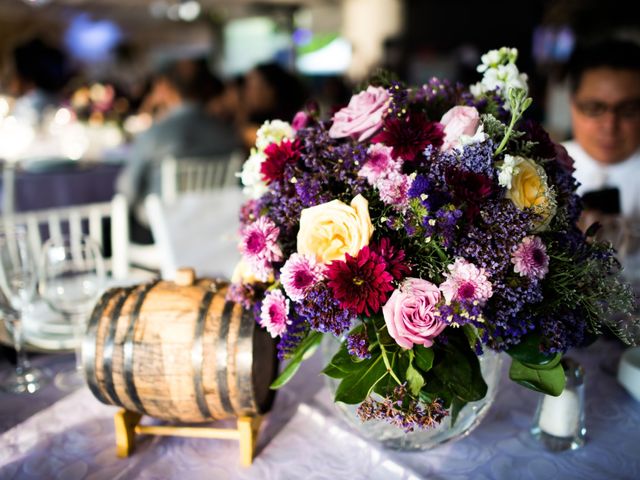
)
(57, 435)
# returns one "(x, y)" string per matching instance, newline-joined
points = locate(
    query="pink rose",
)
(460, 126)
(300, 120)
(363, 116)
(410, 313)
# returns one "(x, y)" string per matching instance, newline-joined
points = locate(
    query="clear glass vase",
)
(395, 438)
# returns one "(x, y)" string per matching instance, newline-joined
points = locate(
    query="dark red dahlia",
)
(410, 135)
(278, 156)
(469, 188)
(360, 283)
(394, 258)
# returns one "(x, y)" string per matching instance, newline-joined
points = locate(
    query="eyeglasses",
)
(626, 110)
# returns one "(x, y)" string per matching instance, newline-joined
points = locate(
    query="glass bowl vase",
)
(396, 438)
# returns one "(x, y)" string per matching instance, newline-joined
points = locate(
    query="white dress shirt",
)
(624, 175)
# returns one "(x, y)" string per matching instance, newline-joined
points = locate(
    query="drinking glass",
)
(18, 278)
(72, 276)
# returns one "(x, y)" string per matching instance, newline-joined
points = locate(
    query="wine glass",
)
(18, 278)
(72, 276)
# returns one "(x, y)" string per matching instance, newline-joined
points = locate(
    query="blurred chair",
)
(81, 220)
(198, 174)
(199, 229)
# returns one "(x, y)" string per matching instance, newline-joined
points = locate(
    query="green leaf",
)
(458, 369)
(414, 379)
(399, 364)
(423, 357)
(549, 381)
(457, 404)
(471, 332)
(528, 351)
(357, 386)
(306, 348)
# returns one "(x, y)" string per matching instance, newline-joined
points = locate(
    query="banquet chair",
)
(199, 230)
(198, 174)
(80, 220)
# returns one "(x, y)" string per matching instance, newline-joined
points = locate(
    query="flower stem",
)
(385, 359)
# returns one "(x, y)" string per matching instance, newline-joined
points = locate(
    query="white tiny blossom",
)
(251, 177)
(507, 170)
(273, 132)
(477, 89)
(477, 137)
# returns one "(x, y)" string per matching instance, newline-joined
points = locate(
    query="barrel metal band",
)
(197, 356)
(89, 344)
(244, 364)
(221, 358)
(107, 365)
(127, 349)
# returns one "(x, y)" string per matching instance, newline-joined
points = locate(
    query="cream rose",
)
(527, 187)
(329, 230)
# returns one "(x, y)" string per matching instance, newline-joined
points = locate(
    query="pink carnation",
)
(363, 116)
(465, 281)
(299, 274)
(530, 258)
(394, 189)
(380, 163)
(274, 314)
(411, 315)
(259, 247)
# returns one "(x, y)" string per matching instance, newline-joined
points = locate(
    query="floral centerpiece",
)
(422, 226)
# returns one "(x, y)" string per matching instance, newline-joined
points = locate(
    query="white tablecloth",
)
(303, 438)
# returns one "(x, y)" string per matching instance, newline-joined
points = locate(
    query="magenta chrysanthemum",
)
(380, 164)
(360, 283)
(465, 281)
(274, 314)
(259, 247)
(530, 258)
(299, 274)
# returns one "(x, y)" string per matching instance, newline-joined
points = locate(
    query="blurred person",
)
(40, 73)
(186, 130)
(604, 79)
(270, 92)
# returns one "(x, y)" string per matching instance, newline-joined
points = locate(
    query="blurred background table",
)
(73, 437)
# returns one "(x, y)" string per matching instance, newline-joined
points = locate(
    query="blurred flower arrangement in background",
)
(422, 226)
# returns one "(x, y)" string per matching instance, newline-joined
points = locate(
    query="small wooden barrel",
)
(179, 351)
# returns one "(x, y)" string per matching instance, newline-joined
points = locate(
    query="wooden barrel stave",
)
(177, 353)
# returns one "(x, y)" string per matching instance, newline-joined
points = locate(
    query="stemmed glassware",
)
(72, 276)
(18, 279)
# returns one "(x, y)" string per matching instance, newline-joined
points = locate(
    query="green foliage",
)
(549, 381)
(306, 348)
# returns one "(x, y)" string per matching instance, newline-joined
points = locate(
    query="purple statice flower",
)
(249, 212)
(259, 248)
(400, 101)
(563, 330)
(299, 274)
(404, 411)
(466, 282)
(393, 190)
(296, 331)
(380, 164)
(461, 313)
(427, 191)
(439, 96)
(358, 344)
(530, 258)
(274, 313)
(245, 294)
(476, 158)
(447, 224)
(322, 311)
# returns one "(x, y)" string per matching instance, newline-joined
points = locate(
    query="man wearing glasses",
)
(605, 110)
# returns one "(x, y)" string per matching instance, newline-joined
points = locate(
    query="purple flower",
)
(358, 344)
(259, 247)
(299, 274)
(530, 258)
(410, 135)
(323, 312)
(274, 313)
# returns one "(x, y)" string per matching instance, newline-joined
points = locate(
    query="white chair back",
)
(199, 230)
(79, 220)
(182, 175)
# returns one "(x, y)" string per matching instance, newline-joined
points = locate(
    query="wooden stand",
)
(127, 426)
